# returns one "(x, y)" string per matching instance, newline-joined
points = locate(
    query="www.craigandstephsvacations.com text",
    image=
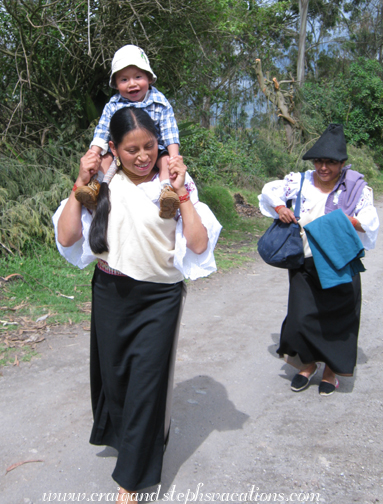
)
(197, 495)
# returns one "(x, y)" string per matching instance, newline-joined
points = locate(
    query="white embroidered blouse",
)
(278, 192)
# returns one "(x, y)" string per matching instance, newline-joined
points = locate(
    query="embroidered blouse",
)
(280, 191)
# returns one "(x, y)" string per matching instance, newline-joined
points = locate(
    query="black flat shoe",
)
(326, 388)
(300, 382)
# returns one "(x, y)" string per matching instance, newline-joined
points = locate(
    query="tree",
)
(303, 11)
(281, 99)
(56, 57)
(314, 25)
(354, 99)
(366, 30)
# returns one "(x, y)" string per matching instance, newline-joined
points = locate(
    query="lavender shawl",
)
(351, 184)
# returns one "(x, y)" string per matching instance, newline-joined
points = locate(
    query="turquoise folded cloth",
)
(336, 248)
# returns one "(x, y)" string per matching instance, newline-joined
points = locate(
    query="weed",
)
(12, 355)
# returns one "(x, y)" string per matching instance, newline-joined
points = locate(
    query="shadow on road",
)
(200, 406)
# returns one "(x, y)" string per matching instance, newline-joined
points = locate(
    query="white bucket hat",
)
(130, 55)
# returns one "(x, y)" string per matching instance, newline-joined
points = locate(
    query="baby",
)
(133, 77)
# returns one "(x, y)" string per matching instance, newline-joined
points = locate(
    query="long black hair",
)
(123, 121)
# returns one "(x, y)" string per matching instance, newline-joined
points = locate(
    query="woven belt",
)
(104, 266)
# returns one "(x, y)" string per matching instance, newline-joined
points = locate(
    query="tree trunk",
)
(205, 115)
(380, 35)
(289, 130)
(275, 95)
(303, 10)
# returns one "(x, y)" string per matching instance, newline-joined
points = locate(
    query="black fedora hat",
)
(331, 145)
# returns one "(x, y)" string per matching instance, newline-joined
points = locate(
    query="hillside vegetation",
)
(235, 135)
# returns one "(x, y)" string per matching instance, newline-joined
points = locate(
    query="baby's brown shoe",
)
(87, 195)
(169, 203)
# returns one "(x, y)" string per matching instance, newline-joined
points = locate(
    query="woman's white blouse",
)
(278, 192)
(191, 265)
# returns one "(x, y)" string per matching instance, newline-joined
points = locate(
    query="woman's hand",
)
(356, 224)
(286, 215)
(177, 173)
(193, 229)
(89, 165)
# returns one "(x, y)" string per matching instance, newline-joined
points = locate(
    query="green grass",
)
(45, 277)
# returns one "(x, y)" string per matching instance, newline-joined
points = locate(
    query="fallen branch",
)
(64, 296)
(5, 322)
(13, 466)
(15, 308)
(7, 249)
(13, 276)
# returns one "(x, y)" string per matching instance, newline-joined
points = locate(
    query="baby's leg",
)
(163, 167)
(109, 170)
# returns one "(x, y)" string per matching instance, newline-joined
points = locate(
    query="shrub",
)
(220, 201)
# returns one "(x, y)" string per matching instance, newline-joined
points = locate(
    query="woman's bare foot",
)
(329, 382)
(329, 376)
(309, 370)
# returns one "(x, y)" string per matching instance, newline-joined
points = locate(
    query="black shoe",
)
(326, 388)
(300, 382)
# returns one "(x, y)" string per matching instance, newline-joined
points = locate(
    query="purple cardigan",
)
(352, 184)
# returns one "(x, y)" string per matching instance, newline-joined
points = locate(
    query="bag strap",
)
(297, 210)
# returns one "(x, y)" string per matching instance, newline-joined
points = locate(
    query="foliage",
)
(55, 63)
(219, 199)
(243, 157)
(362, 160)
(221, 54)
(365, 120)
(31, 190)
(366, 31)
(46, 78)
(56, 57)
(354, 99)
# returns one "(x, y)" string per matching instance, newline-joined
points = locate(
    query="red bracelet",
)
(185, 197)
(277, 208)
(74, 188)
(354, 222)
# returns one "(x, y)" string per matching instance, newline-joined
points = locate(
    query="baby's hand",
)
(172, 176)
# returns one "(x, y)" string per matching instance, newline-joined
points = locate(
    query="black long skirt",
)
(134, 328)
(321, 325)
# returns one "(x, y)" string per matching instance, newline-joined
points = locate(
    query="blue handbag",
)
(281, 246)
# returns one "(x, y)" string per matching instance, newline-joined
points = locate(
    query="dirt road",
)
(237, 429)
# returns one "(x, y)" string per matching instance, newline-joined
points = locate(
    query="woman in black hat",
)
(322, 324)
